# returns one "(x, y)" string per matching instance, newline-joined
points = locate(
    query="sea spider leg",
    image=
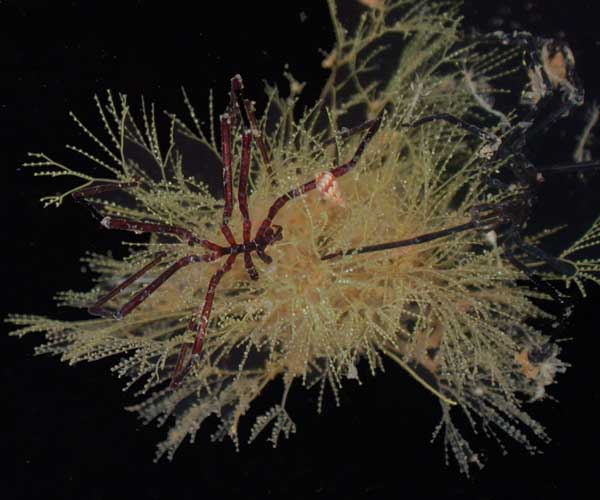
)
(538, 281)
(312, 184)
(237, 89)
(233, 109)
(154, 227)
(98, 310)
(416, 240)
(186, 358)
(81, 194)
(129, 224)
(226, 121)
(258, 136)
(243, 202)
(143, 294)
(560, 266)
(469, 127)
(235, 97)
(344, 133)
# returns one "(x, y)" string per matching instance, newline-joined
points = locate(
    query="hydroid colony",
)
(453, 311)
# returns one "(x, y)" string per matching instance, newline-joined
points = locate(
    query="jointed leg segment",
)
(189, 355)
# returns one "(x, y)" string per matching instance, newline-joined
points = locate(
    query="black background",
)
(66, 434)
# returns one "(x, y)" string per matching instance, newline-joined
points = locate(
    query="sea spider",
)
(267, 233)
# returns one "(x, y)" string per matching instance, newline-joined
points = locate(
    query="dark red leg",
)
(186, 356)
(234, 109)
(85, 192)
(258, 137)
(227, 177)
(243, 201)
(236, 96)
(539, 282)
(155, 227)
(143, 294)
(132, 225)
(417, 240)
(98, 310)
(310, 185)
(483, 216)
(183, 365)
(345, 134)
